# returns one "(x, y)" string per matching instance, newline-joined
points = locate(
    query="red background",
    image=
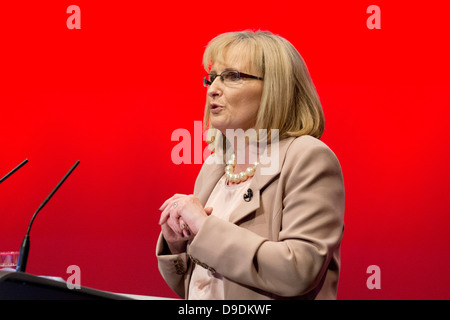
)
(112, 93)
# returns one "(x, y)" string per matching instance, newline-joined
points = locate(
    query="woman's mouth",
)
(215, 108)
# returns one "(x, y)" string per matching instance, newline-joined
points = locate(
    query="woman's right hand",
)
(176, 242)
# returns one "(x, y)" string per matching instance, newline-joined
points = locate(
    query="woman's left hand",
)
(184, 211)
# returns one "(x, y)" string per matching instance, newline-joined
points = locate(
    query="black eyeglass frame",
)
(207, 82)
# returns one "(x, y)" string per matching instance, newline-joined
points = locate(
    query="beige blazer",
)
(284, 242)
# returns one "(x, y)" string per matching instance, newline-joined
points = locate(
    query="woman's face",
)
(235, 105)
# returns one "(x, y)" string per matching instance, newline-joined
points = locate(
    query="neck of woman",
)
(245, 152)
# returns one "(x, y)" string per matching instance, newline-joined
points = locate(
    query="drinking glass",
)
(8, 259)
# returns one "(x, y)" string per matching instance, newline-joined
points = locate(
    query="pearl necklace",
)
(241, 176)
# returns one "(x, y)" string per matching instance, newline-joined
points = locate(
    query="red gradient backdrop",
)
(112, 93)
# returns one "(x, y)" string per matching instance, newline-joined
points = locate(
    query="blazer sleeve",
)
(172, 267)
(311, 229)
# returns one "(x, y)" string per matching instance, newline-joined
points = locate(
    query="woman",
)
(247, 232)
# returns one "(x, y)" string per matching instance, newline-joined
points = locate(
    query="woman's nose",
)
(215, 88)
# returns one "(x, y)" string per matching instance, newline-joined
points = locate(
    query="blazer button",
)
(179, 266)
(212, 269)
(201, 264)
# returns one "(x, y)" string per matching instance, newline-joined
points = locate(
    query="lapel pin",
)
(249, 195)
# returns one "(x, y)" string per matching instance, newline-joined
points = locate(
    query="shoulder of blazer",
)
(308, 146)
(287, 153)
(303, 143)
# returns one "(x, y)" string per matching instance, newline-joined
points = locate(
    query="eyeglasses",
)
(229, 78)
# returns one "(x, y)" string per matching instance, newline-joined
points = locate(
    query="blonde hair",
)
(289, 100)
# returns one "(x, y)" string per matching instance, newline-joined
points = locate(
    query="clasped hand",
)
(182, 217)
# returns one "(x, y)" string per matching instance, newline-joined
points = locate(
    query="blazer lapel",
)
(207, 180)
(265, 173)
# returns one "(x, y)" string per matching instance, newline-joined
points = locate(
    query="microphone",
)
(25, 247)
(14, 170)
(248, 196)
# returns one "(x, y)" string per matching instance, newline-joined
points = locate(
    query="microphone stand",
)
(14, 170)
(25, 247)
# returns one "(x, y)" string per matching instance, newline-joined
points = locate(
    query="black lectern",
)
(23, 286)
